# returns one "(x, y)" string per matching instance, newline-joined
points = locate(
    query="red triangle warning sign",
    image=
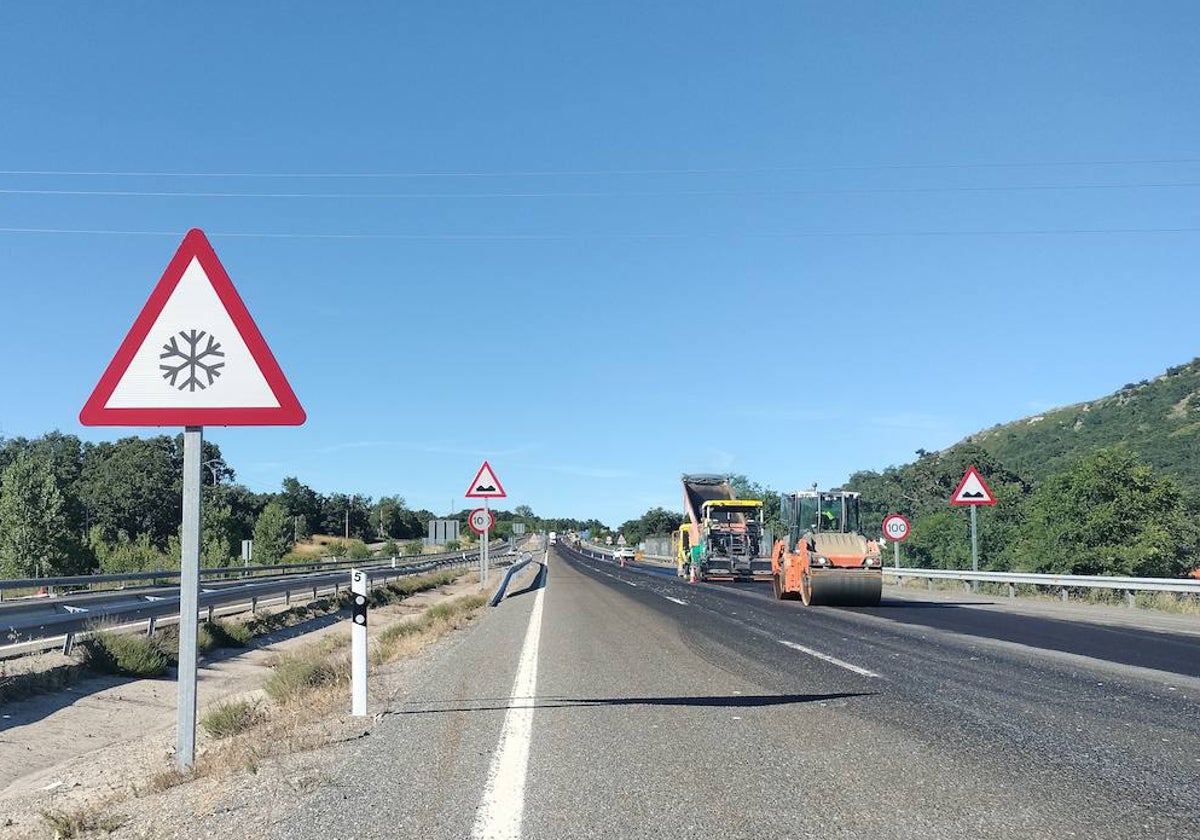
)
(194, 357)
(486, 485)
(972, 490)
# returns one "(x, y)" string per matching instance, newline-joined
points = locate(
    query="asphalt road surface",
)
(622, 703)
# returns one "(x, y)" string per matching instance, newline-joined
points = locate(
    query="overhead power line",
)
(600, 194)
(549, 237)
(500, 173)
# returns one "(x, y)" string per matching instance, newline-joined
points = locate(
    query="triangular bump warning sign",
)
(194, 357)
(972, 490)
(486, 485)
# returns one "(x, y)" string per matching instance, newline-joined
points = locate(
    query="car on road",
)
(625, 555)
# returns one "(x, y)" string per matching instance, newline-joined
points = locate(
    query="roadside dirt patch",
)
(102, 741)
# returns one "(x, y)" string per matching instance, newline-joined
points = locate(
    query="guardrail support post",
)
(1130, 599)
(254, 605)
(1064, 594)
(1012, 591)
(287, 597)
(151, 626)
(210, 613)
(68, 644)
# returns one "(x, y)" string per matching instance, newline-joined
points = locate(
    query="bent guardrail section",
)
(512, 570)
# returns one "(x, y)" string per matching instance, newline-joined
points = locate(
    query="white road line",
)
(832, 660)
(676, 600)
(499, 814)
(631, 583)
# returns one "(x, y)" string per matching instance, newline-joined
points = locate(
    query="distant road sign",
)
(486, 484)
(482, 521)
(193, 357)
(896, 527)
(972, 490)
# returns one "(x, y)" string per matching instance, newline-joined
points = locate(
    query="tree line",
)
(75, 507)
(1107, 512)
(71, 507)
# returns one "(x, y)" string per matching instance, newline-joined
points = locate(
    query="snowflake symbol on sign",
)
(192, 361)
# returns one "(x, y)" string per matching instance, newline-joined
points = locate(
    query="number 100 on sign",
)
(896, 527)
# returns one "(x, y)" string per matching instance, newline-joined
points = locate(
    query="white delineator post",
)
(189, 598)
(358, 643)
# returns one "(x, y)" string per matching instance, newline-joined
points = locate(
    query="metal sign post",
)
(194, 357)
(974, 542)
(896, 527)
(485, 486)
(973, 492)
(358, 643)
(487, 535)
(482, 522)
(189, 597)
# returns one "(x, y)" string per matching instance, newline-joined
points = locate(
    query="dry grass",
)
(309, 690)
(81, 821)
(407, 638)
(232, 718)
(295, 675)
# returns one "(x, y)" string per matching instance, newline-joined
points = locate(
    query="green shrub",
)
(227, 634)
(129, 655)
(82, 821)
(414, 548)
(337, 548)
(358, 550)
(230, 718)
(453, 545)
(296, 674)
(390, 548)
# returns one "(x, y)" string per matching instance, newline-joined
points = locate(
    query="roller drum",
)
(836, 588)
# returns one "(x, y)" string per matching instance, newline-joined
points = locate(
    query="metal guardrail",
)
(512, 570)
(233, 572)
(66, 621)
(1065, 583)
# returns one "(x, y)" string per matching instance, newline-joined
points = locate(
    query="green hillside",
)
(1158, 420)
(1110, 486)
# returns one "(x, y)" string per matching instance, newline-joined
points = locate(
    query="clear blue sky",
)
(620, 241)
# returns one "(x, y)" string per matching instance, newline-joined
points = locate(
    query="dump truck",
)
(824, 559)
(728, 532)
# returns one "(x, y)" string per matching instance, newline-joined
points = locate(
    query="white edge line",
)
(676, 600)
(503, 804)
(832, 660)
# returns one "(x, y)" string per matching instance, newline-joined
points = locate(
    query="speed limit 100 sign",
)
(481, 520)
(896, 527)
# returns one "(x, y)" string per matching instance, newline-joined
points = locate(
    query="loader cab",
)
(820, 512)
